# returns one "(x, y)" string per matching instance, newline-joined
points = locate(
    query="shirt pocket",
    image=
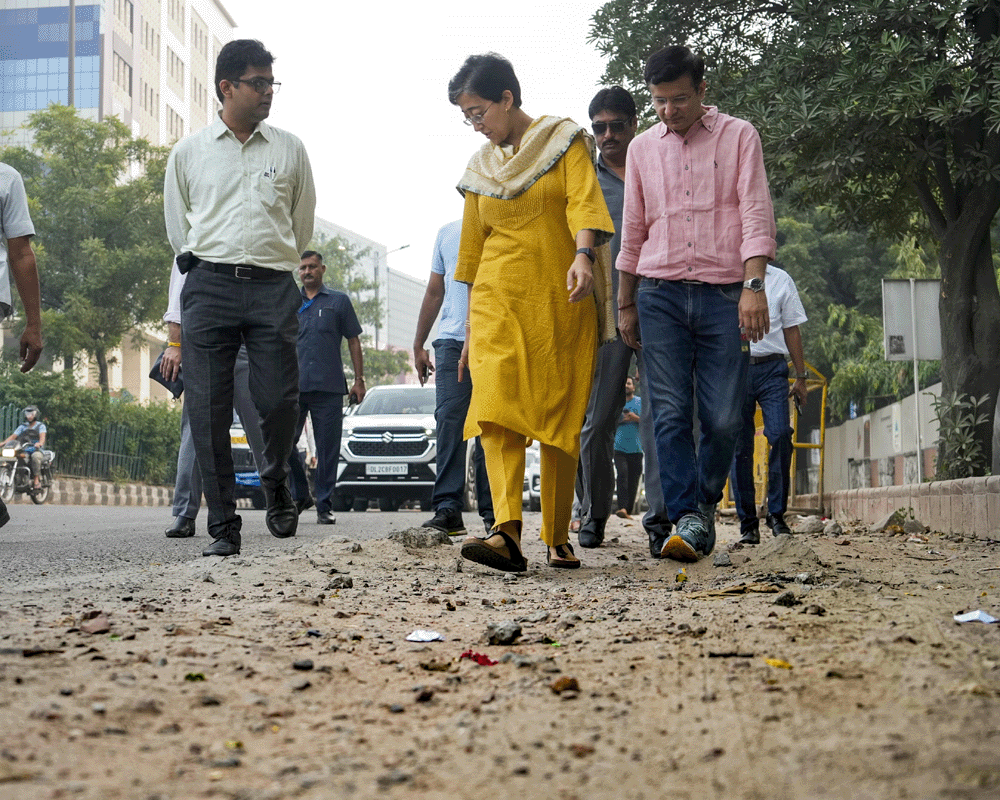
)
(275, 190)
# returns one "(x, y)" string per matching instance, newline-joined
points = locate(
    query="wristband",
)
(801, 377)
(173, 344)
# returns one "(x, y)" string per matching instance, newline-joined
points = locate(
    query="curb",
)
(84, 492)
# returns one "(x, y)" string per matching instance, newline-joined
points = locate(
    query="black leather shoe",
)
(750, 536)
(304, 503)
(228, 545)
(657, 538)
(182, 528)
(592, 532)
(778, 526)
(282, 516)
(446, 520)
(325, 518)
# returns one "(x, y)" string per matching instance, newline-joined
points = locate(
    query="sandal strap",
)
(562, 549)
(516, 556)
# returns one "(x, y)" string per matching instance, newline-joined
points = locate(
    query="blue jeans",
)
(768, 385)
(691, 344)
(452, 406)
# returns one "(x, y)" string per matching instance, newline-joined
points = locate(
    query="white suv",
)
(388, 450)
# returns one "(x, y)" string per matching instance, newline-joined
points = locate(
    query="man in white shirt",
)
(18, 259)
(239, 202)
(767, 385)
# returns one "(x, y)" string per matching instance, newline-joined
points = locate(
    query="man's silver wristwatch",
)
(754, 284)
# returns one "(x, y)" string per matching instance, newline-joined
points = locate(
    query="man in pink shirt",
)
(697, 233)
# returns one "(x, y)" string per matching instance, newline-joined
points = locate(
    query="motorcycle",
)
(15, 475)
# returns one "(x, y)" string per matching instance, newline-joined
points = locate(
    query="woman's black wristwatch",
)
(589, 253)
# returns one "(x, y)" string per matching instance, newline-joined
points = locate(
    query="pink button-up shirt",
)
(698, 206)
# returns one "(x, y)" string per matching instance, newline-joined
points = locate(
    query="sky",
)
(364, 85)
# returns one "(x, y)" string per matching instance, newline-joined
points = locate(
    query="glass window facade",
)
(34, 63)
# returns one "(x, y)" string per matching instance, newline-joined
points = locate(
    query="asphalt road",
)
(55, 545)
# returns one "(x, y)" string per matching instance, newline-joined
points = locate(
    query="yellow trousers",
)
(504, 451)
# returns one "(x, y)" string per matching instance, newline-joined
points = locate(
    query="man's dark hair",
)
(614, 99)
(671, 63)
(487, 75)
(310, 254)
(235, 57)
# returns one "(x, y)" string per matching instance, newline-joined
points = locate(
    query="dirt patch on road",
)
(810, 667)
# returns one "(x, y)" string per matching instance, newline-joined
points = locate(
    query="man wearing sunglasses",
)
(613, 119)
(239, 203)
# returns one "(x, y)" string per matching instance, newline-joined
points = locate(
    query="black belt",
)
(765, 359)
(245, 271)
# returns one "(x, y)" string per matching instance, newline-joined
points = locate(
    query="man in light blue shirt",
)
(451, 299)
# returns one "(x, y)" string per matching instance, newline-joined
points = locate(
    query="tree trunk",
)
(102, 370)
(970, 319)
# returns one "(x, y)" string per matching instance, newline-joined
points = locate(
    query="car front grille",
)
(382, 449)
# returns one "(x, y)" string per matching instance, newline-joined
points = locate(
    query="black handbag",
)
(175, 387)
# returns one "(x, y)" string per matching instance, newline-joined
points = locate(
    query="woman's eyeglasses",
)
(477, 119)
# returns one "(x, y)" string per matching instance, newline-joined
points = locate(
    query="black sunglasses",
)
(617, 126)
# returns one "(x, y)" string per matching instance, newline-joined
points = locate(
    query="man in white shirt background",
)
(767, 385)
(239, 203)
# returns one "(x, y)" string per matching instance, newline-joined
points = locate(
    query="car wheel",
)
(340, 502)
(388, 504)
(360, 504)
(258, 501)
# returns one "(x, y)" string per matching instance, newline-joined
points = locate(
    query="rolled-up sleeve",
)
(756, 208)
(634, 229)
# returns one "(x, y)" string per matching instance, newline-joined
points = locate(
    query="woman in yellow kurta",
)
(533, 252)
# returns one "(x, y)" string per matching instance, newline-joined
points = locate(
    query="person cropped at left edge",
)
(18, 259)
(239, 205)
(326, 317)
(533, 251)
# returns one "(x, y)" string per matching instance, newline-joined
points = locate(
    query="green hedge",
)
(76, 416)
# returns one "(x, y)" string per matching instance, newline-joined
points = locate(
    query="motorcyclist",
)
(30, 434)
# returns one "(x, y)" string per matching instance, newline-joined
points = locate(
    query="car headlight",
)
(430, 433)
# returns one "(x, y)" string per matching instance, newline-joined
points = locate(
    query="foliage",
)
(73, 415)
(155, 435)
(960, 454)
(96, 196)
(343, 272)
(884, 110)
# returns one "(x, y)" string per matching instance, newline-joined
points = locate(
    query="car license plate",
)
(386, 469)
(238, 439)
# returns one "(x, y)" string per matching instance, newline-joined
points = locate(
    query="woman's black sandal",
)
(478, 551)
(561, 562)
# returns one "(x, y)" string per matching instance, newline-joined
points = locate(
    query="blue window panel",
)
(57, 97)
(54, 14)
(40, 100)
(64, 81)
(19, 85)
(20, 67)
(6, 102)
(31, 83)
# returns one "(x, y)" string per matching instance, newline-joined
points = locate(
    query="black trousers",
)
(628, 468)
(220, 312)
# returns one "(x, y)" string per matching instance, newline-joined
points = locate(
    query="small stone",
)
(98, 624)
(424, 695)
(226, 763)
(392, 778)
(805, 578)
(209, 700)
(340, 582)
(397, 708)
(565, 683)
(815, 609)
(354, 548)
(810, 525)
(148, 706)
(99, 708)
(722, 560)
(304, 665)
(787, 599)
(301, 686)
(832, 528)
(895, 518)
(503, 633)
(208, 578)
(313, 632)
(914, 526)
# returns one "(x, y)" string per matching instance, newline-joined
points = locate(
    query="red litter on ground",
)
(481, 659)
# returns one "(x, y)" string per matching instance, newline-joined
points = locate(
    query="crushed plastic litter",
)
(976, 616)
(425, 636)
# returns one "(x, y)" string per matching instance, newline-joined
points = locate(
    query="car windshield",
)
(418, 400)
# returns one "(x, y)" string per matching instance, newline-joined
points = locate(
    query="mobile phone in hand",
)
(353, 399)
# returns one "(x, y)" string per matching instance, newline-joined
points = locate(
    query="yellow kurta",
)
(531, 351)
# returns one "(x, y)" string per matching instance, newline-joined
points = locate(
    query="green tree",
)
(343, 272)
(96, 196)
(878, 108)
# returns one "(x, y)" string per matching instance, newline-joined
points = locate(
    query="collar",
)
(707, 120)
(220, 129)
(602, 167)
(322, 290)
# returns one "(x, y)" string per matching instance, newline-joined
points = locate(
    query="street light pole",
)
(377, 285)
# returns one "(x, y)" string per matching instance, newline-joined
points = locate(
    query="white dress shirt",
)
(784, 308)
(240, 203)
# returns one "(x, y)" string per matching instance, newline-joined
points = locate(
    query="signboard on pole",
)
(911, 319)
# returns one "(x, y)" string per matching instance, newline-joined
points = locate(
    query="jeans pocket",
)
(731, 292)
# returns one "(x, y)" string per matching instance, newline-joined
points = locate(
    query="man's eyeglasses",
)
(477, 119)
(260, 85)
(617, 126)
